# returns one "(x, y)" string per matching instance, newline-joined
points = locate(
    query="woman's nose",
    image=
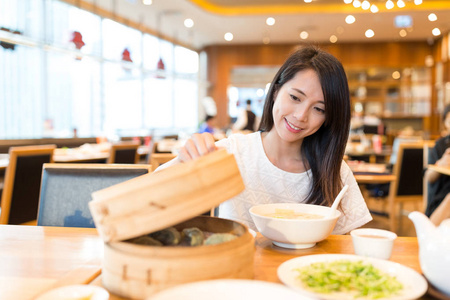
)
(301, 114)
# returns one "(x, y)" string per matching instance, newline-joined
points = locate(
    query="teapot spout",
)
(425, 229)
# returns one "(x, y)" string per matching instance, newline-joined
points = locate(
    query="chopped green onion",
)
(344, 276)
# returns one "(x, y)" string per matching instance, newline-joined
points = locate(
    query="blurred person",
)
(297, 154)
(246, 119)
(438, 206)
(207, 125)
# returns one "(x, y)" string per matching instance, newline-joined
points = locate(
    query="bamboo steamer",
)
(175, 197)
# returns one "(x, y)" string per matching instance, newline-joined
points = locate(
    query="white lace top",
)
(265, 183)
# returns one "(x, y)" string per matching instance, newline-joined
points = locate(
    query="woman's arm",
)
(442, 212)
(444, 161)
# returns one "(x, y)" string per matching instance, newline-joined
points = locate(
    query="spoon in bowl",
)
(337, 200)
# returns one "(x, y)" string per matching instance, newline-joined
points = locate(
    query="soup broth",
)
(372, 236)
(291, 214)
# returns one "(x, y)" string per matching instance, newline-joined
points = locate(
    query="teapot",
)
(434, 250)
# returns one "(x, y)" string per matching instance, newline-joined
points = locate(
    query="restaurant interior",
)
(97, 94)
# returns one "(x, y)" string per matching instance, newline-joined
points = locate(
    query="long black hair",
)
(324, 150)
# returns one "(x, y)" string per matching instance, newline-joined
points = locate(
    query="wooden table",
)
(35, 259)
(374, 178)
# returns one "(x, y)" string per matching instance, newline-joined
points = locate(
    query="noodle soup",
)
(291, 214)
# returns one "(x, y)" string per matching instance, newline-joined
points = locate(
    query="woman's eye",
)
(295, 98)
(322, 111)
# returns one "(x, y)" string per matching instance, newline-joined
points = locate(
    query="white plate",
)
(76, 292)
(414, 284)
(229, 289)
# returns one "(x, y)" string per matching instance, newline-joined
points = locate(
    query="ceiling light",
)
(270, 21)
(228, 36)
(396, 75)
(365, 5)
(333, 39)
(304, 35)
(188, 23)
(432, 17)
(350, 19)
(436, 31)
(390, 4)
(308, 1)
(259, 92)
(369, 33)
(374, 8)
(403, 33)
(340, 30)
(147, 2)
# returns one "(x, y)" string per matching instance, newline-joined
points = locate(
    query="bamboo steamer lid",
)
(161, 199)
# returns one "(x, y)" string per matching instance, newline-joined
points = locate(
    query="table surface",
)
(35, 259)
(370, 173)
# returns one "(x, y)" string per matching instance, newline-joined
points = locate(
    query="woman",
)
(297, 154)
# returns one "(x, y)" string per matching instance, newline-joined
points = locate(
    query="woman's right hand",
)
(198, 145)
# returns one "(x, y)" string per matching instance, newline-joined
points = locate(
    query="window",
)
(48, 86)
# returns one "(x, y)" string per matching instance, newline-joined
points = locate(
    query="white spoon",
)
(337, 200)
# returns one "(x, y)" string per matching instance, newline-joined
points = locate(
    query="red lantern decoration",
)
(77, 39)
(160, 67)
(126, 55)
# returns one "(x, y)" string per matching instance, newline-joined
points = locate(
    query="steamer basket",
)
(137, 271)
(175, 196)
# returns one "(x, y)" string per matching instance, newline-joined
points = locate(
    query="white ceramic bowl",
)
(373, 242)
(294, 233)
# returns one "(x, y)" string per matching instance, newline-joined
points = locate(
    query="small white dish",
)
(373, 242)
(76, 292)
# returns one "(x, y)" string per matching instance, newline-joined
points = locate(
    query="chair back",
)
(66, 190)
(409, 170)
(124, 153)
(20, 196)
(408, 186)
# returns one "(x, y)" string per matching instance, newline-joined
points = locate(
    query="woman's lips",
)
(291, 127)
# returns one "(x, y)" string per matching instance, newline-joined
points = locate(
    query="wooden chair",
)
(66, 190)
(124, 153)
(408, 186)
(157, 157)
(20, 197)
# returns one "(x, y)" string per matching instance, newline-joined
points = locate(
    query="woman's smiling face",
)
(299, 108)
